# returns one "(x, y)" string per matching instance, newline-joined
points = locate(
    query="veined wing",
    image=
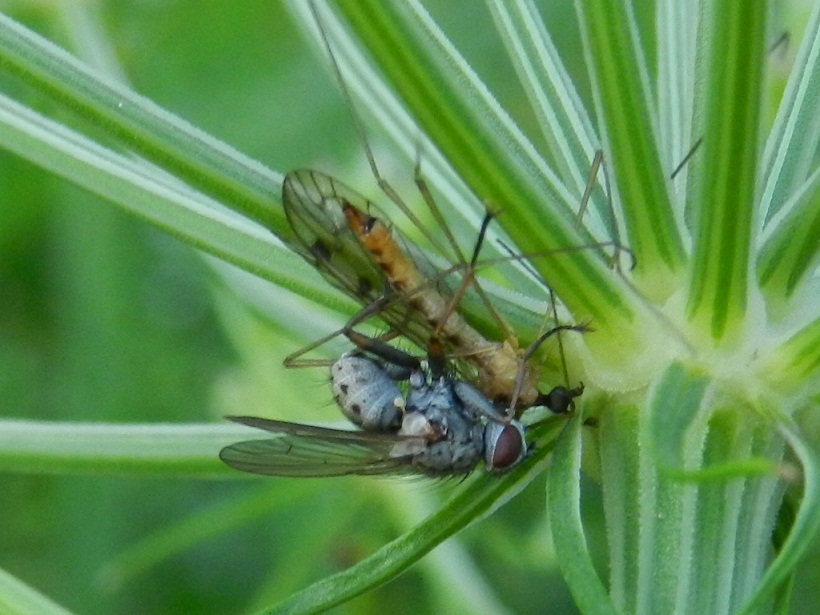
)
(318, 209)
(314, 207)
(310, 451)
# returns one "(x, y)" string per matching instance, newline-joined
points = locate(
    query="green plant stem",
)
(698, 546)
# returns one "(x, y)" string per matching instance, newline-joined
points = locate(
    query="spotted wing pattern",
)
(298, 450)
(313, 205)
(316, 207)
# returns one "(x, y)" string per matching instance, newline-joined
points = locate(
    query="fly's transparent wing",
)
(309, 451)
(315, 205)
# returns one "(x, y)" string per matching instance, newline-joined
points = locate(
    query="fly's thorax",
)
(366, 394)
(461, 426)
(435, 400)
(454, 433)
(459, 446)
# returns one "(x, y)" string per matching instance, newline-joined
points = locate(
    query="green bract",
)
(704, 362)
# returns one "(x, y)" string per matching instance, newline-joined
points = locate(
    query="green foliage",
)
(701, 371)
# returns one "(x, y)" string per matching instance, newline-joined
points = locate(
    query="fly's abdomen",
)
(366, 394)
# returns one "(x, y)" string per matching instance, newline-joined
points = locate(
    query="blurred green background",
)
(102, 318)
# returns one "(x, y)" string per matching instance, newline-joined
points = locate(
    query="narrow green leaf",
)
(673, 426)
(70, 448)
(675, 405)
(491, 155)
(669, 537)
(158, 199)
(564, 509)
(805, 527)
(478, 499)
(626, 112)
(731, 70)
(792, 248)
(763, 496)
(792, 144)
(712, 567)
(676, 33)
(565, 124)
(17, 598)
(795, 364)
(155, 134)
(628, 486)
(677, 423)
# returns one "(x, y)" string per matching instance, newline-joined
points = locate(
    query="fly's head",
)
(505, 446)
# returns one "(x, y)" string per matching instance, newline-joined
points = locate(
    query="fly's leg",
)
(592, 181)
(295, 360)
(686, 158)
(376, 345)
(383, 184)
(398, 363)
(468, 268)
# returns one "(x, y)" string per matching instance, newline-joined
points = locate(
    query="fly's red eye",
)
(504, 445)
